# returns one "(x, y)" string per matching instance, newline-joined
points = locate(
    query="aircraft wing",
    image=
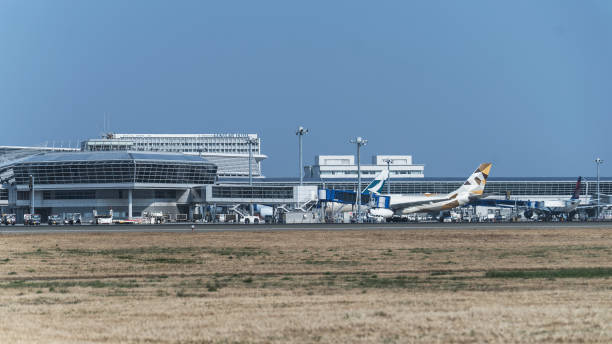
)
(504, 203)
(415, 203)
(591, 206)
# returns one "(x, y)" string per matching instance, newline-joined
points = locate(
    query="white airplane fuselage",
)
(472, 189)
(558, 206)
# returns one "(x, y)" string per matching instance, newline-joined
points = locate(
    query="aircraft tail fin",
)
(377, 184)
(576, 194)
(475, 184)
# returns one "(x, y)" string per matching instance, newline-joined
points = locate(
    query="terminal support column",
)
(130, 203)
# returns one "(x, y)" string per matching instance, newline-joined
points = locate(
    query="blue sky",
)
(524, 84)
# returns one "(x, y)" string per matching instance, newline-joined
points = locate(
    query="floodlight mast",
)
(359, 141)
(598, 161)
(301, 131)
(251, 141)
(389, 162)
(32, 194)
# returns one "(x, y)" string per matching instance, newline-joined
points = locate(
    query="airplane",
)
(546, 208)
(373, 188)
(471, 190)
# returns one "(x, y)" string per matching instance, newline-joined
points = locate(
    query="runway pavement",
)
(186, 227)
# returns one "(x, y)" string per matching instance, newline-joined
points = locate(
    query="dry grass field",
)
(411, 286)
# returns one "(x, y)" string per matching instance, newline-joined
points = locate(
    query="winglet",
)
(576, 194)
(377, 184)
(475, 184)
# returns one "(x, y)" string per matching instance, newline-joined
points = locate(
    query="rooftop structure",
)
(343, 166)
(12, 153)
(230, 152)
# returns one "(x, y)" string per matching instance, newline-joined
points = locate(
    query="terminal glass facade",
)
(115, 171)
(248, 192)
(516, 187)
(230, 152)
(3, 194)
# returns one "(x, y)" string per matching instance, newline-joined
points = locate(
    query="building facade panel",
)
(344, 166)
(230, 152)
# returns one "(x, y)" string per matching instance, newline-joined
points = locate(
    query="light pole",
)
(301, 131)
(251, 141)
(32, 194)
(389, 162)
(598, 161)
(359, 141)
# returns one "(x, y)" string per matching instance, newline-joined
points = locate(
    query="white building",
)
(230, 152)
(345, 166)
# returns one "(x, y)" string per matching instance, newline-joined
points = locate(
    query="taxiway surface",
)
(187, 227)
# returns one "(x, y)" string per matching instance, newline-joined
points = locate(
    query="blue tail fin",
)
(377, 184)
(576, 194)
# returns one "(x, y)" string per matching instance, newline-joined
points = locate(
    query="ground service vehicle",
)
(249, 219)
(72, 219)
(9, 219)
(54, 220)
(31, 219)
(181, 217)
(103, 219)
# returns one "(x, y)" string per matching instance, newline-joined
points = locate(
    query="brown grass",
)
(313, 286)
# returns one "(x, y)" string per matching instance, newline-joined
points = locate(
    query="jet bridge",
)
(350, 197)
(257, 194)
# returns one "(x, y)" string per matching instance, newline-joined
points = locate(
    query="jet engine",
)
(385, 213)
(463, 199)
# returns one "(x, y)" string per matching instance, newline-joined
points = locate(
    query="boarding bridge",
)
(350, 197)
(231, 194)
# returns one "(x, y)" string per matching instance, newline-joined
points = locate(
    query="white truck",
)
(250, 219)
(106, 219)
(9, 219)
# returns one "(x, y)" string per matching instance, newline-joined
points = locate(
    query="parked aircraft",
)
(471, 190)
(373, 188)
(547, 208)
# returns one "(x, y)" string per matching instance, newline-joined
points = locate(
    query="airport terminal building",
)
(230, 152)
(127, 182)
(180, 174)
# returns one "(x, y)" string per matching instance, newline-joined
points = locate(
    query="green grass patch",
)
(238, 252)
(331, 262)
(552, 273)
(213, 285)
(37, 252)
(374, 281)
(52, 285)
(430, 250)
(49, 301)
(168, 260)
(138, 252)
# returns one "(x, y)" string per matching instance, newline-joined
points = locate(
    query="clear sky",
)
(524, 84)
